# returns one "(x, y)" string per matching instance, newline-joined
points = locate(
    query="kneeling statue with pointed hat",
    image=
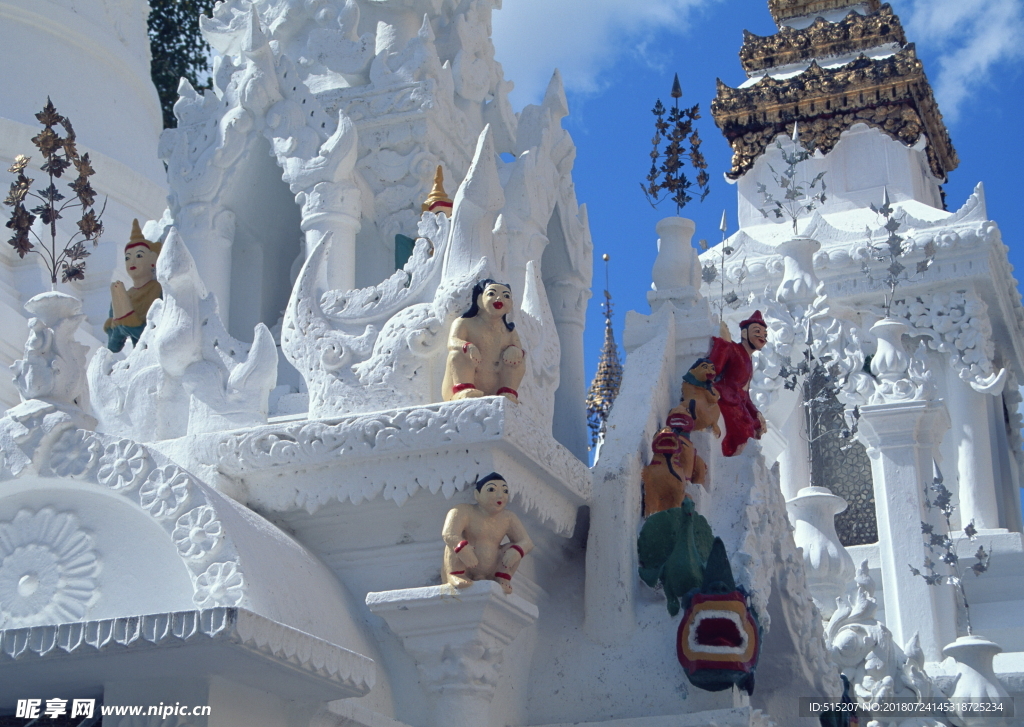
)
(128, 307)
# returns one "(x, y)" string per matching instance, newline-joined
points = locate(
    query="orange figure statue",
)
(674, 464)
(700, 397)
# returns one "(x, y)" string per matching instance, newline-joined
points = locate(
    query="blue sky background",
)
(618, 57)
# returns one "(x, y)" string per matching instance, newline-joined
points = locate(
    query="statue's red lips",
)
(499, 305)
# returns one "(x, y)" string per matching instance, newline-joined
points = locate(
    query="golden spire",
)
(605, 386)
(783, 10)
(438, 200)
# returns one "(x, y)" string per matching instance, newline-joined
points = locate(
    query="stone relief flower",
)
(48, 569)
(165, 491)
(75, 453)
(197, 532)
(219, 585)
(122, 465)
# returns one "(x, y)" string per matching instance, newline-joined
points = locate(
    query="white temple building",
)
(243, 511)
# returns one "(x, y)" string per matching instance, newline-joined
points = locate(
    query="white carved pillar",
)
(969, 412)
(210, 234)
(457, 638)
(829, 567)
(677, 267)
(568, 298)
(902, 440)
(794, 465)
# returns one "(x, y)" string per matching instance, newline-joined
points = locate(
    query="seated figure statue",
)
(485, 356)
(128, 308)
(472, 537)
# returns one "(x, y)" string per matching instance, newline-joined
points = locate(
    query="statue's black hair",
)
(488, 478)
(474, 308)
(701, 360)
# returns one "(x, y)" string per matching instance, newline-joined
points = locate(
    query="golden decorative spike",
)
(605, 387)
(438, 200)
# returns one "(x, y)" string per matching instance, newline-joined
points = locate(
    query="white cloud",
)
(970, 37)
(582, 39)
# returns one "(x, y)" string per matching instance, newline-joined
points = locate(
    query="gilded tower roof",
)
(888, 90)
(785, 9)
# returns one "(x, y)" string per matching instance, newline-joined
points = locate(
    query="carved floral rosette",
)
(183, 507)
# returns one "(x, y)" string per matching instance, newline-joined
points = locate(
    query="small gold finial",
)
(438, 200)
(137, 238)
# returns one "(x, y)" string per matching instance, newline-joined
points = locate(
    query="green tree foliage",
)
(178, 49)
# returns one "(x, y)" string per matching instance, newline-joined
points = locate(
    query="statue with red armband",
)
(485, 356)
(473, 535)
(734, 365)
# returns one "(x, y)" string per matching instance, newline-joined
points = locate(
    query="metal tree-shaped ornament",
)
(798, 198)
(892, 251)
(943, 545)
(676, 132)
(59, 154)
(710, 272)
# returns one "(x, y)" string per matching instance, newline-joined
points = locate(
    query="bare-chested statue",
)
(485, 356)
(472, 537)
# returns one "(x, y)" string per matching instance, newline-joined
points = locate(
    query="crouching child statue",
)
(473, 535)
(485, 356)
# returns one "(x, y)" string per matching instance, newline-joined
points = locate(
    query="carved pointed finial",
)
(724, 224)
(438, 200)
(677, 90)
(796, 132)
(605, 386)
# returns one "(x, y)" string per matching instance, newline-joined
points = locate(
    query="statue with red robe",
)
(735, 368)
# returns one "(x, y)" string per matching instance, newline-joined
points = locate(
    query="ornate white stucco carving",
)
(457, 639)
(53, 369)
(129, 469)
(951, 318)
(350, 674)
(878, 669)
(796, 328)
(385, 346)
(48, 569)
(357, 118)
(187, 374)
(424, 439)
(957, 324)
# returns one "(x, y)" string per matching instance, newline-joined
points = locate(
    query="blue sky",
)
(618, 57)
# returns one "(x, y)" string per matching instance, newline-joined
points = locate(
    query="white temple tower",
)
(846, 76)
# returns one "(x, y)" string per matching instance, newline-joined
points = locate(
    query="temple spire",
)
(783, 10)
(605, 386)
(833, 64)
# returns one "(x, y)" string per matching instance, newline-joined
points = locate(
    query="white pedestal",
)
(457, 638)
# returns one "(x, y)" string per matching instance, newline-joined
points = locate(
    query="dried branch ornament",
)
(59, 154)
(676, 132)
(798, 198)
(891, 251)
(944, 546)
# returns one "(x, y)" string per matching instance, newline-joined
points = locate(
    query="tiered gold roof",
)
(786, 9)
(890, 93)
